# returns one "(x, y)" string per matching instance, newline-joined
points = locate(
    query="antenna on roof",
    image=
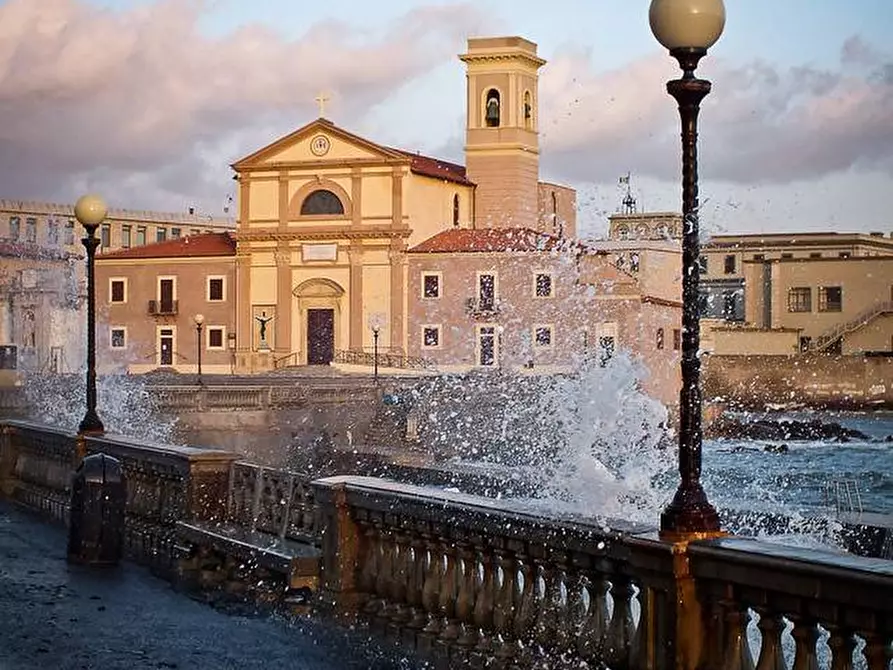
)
(629, 202)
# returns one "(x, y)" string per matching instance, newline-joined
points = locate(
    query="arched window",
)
(492, 111)
(321, 202)
(527, 111)
(455, 210)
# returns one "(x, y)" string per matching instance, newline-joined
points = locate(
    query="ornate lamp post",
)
(199, 321)
(375, 330)
(90, 210)
(688, 28)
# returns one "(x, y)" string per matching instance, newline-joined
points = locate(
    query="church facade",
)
(325, 217)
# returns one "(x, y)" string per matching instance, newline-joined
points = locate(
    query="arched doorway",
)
(319, 309)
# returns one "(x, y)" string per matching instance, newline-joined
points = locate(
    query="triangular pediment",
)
(318, 142)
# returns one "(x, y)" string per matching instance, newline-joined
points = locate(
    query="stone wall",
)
(858, 382)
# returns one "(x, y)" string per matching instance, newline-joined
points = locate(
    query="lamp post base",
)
(689, 516)
(90, 424)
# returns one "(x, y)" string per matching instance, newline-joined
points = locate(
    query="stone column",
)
(397, 259)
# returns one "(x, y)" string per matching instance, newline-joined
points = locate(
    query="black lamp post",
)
(90, 211)
(688, 28)
(375, 330)
(199, 321)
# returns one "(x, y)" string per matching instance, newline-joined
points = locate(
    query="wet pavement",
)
(56, 616)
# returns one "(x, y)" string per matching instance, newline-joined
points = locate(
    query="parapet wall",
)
(845, 382)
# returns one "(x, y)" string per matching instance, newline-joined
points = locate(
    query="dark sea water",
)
(740, 474)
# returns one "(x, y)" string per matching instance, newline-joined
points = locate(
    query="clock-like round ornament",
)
(320, 145)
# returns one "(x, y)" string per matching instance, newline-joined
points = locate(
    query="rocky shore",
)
(782, 429)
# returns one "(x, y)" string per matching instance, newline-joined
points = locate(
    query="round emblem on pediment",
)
(320, 145)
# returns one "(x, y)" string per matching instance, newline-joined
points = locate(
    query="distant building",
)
(42, 282)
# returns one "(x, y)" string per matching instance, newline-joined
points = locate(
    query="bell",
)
(492, 112)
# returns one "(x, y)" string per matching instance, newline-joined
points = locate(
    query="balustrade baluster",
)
(434, 581)
(842, 644)
(578, 587)
(369, 571)
(549, 612)
(877, 651)
(485, 602)
(525, 616)
(737, 650)
(400, 572)
(417, 562)
(378, 579)
(622, 626)
(449, 630)
(806, 634)
(771, 627)
(504, 604)
(465, 597)
(383, 584)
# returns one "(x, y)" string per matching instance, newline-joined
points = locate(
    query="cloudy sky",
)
(148, 101)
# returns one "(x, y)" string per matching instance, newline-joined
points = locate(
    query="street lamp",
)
(687, 28)
(199, 321)
(375, 330)
(90, 211)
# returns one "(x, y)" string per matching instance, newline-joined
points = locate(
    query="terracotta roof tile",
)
(468, 240)
(436, 168)
(192, 246)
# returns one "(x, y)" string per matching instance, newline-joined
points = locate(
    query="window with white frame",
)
(431, 284)
(430, 337)
(216, 289)
(118, 290)
(216, 337)
(118, 337)
(542, 285)
(542, 336)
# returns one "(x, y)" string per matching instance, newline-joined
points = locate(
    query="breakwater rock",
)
(782, 429)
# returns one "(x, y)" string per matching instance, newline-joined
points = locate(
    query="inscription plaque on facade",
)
(320, 252)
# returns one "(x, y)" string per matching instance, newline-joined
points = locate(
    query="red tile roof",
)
(468, 240)
(192, 246)
(436, 168)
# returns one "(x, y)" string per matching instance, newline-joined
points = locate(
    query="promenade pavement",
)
(57, 616)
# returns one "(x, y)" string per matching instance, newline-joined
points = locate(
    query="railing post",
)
(8, 456)
(692, 633)
(340, 535)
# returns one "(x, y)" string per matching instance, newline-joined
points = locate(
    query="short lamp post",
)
(375, 330)
(687, 28)
(90, 211)
(199, 322)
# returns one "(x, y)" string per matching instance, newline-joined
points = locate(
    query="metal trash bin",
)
(98, 499)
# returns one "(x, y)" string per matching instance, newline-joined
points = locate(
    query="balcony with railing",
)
(483, 308)
(163, 307)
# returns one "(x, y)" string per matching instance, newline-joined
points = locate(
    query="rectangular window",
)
(430, 337)
(787, 257)
(69, 233)
(215, 289)
(830, 298)
(52, 232)
(117, 290)
(702, 263)
(543, 285)
(118, 338)
(215, 337)
(677, 339)
(125, 236)
(729, 305)
(105, 236)
(160, 234)
(15, 228)
(659, 339)
(487, 292)
(759, 257)
(815, 254)
(487, 346)
(430, 285)
(605, 350)
(140, 236)
(800, 299)
(175, 233)
(31, 230)
(542, 336)
(167, 301)
(729, 265)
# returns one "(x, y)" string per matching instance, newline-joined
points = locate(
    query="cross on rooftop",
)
(321, 100)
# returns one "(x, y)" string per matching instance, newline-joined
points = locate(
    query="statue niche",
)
(492, 109)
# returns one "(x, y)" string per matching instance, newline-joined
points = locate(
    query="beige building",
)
(148, 299)
(521, 300)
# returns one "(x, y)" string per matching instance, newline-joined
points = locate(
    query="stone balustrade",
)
(472, 582)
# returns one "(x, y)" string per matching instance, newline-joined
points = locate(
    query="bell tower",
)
(501, 145)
